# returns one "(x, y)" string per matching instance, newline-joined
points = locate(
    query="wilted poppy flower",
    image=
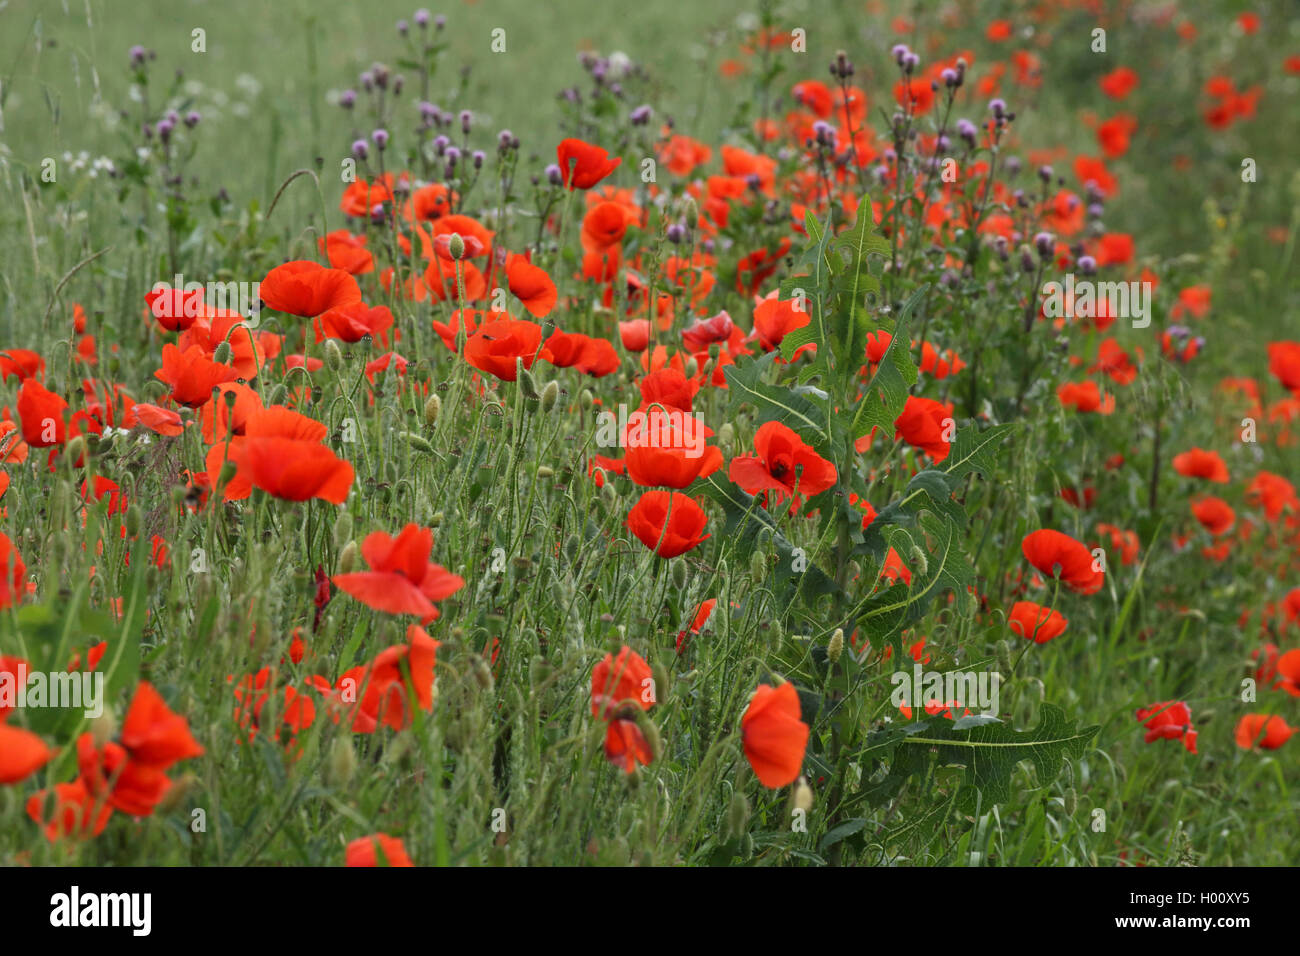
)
(668, 523)
(583, 165)
(378, 849)
(1035, 622)
(401, 579)
(1052, 552)
(531, 284)
(1198, 463)
(495, 346)
(622, 679)
(1214, 514)
(1263, 731)
(22, 753)
(626, 746)
(784, 465)
(773, 735)
(1169, 720)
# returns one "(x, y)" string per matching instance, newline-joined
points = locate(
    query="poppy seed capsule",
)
(836, 646)
(348, 558)
(333, 355)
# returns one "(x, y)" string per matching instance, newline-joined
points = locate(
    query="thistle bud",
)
(348, 558)
(333, 355)
(836, 646)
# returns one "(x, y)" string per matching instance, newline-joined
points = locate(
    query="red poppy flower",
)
(619, 680)
(192, 375)
(308, 289)
(1169, 720)
(1035, 622)
(626, 746)
(1198, 463)
(289, 468)
(23, 363)
(927, 425)
(22, 753)
(583, 165)
(1262, 730)
(353, 322)
(378, 849)
(1284, 363)
(783, 465)
(531, 284)
(668, 386)
(775, 318)
(1119, 83)
(130, 786)
(574, 350)
(1052, 552)
(75, 812)
(13, 573)
(668, 523)
(673, 453)
(635, 335)
(152, 734)
(42, 414)
(162, 421)
(1085, 397)
(495, 346)
(387, 690)
(1214, 514)
(774, 736)
(401, 579)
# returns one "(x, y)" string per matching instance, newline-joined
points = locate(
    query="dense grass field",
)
(360, 555)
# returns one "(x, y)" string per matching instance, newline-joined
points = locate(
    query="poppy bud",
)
(432, 409)
(342, 530)
(836, 646)
(415, 441)
(1003, 652)
(545, 471)
(103, 728)
(726, 435)
(571, 546)
(586, 399)
(223, 354)
(436, 520)
(527, 386)
(482, 673)
(176, 794)
(919, 560)
(75, 450)
(737, 814)
(758, 568)
(679, 575)
(342, 761)
(227, 473)
(134, 519)
(456, 246)
(1071, 801)
(691, 367)
(348, 558)
(802, 798)
(277, 397)
(550, 395)
(608, 495)
(333, 355)
(651, 734)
